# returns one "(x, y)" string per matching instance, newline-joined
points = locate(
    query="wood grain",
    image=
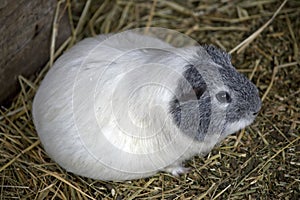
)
(25, 32)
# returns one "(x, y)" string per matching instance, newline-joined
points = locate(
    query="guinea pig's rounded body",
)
(110, 108)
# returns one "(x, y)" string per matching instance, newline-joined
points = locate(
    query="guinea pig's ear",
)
(196, 82)
(193, 94)
(218, 56)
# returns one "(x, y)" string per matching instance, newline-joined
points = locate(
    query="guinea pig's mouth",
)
(233, 127)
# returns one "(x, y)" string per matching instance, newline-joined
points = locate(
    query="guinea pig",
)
(126, 106)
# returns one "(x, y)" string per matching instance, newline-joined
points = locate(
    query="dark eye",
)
(223, 97)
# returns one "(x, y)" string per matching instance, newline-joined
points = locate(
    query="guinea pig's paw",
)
(177, 170)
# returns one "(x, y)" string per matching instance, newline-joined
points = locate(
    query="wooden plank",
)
(25, 33)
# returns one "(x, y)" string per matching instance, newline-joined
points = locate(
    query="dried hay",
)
(260, 162)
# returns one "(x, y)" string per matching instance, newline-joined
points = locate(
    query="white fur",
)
(102, 114)
(236, 126)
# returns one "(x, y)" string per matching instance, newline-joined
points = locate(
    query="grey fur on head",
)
(243, 103)
(218, 56)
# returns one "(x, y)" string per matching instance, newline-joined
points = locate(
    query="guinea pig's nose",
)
(255, 113)
(256, 109)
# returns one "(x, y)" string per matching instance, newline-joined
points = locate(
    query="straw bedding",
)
(260, 162)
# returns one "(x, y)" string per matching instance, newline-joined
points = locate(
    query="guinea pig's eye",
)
(223, 97)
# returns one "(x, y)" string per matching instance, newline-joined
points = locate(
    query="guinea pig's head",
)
(212, 97)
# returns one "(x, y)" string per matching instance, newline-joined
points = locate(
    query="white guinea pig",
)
(125, 106)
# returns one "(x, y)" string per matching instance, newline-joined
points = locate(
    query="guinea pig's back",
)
(52, 107)
(60, 103)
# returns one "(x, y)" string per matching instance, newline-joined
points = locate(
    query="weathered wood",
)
(25, 34)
